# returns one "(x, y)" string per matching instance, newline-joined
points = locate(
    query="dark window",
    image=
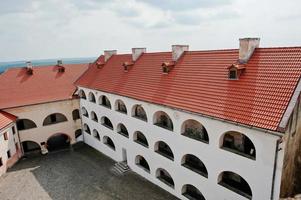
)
(195, 130)
(87, 129)
(121, 107)
(141, 162)
(164, 176)
(163, 120)
(54, 119)
(233, 74)
(92, 97)
(235, 183)
(140, 113)
(140, 139)
(192, 193)
(105, 101)
(107, 141)
(5, 135)
(14, 130)
(23, 124)
(75, 114)
(8, 154)
(163, 149)
(78, 133)
(122, 130)
(94, 116)
(107, 123)
(1, 163)
(195, 164)
(82, 94)
(85, 112)
(96, 134)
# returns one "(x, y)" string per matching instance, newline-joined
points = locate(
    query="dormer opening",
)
(127, 66)
(235, 71)
(167, 67)
(232, 74)
(99, 64)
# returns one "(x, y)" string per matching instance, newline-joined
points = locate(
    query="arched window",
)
(165, 177)
(235, 183)
(94, 116)
(78, 133)
(87, 129)
(92, 97)
(82, 94)
(75, 114)
(238, 143)
(24, 124)
(104, 101)
(120, 106)
(109, 142)
(29, 146)
(195, 164)
(106, 122)
(195, 130)
(139, 112)
(54, 119)
(121, 129)
(96, 134)
(85, 112)
(140, 138)
(163, 149)
(163, 120)
(141, 162)
(192, 193)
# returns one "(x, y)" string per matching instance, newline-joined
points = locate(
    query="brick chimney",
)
(109, 53)
(177, 51)
(246, 48)
(137, 52)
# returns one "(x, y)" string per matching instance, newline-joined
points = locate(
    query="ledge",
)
(195, 170)
(123, 134)
(165, 155)
(146, 146)
(109, 127)
(238, 153)
(235, 190)
(164, 181)
(195, 138)
(165, 127)
(145, 120)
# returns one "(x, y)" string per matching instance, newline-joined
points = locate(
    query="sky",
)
(40, 29)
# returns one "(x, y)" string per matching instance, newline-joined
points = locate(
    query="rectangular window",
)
(232, 74)
(8, 154)
(14, 130)
(5, 135)
(1, 163)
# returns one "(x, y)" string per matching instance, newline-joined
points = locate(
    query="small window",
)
(8, 154)
(233, 74)
(14, 130)
(5, 135)
(1, 163)
(75, 114)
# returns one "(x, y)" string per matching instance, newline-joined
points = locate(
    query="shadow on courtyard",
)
(81, 173)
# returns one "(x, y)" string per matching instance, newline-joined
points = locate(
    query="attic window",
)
(233, 74)
(167, 67)
(235, 70)
(127, 65)
(99, 64)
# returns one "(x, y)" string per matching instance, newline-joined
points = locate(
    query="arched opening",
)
(30, 146)
(82, 94)
(163, 120)
(96, 134)
(78, 133)
(122, 130)
(235, 183)
(107, 122)
(120, 106)
(94, 116)
(75, 114)
(163, 149)
(87, 129)
(195, 164)
(141, 162)
(165, 177)
(58, 141)
(195, 130)
(54, 118)
(92, 97)
(192, 193)
(238, 143)
(109, 142)
(104, 101)
(85, 112)
(140, 138)
(24, 124)
(139, 112)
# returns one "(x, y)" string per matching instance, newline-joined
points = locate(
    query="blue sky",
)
(34, 29)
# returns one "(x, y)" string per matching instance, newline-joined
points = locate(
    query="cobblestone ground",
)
(79, 174)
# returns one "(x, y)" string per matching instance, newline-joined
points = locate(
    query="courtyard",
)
(80, 173)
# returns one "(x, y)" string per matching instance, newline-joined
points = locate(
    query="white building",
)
(10, 150)
(201, 125)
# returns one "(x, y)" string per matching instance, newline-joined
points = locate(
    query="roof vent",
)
(246, 48)
(167, 66)
(137, 52)
(99, 64)
(235, 70)
(109, 53)
(127, 66)
(29, 69)
(61, 68)
(178, 50)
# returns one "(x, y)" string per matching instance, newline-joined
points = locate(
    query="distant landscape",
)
(44, 62)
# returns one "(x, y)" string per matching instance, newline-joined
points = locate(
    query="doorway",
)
(124, 155)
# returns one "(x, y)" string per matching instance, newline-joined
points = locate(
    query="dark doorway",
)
(57, 142)
(29, 146)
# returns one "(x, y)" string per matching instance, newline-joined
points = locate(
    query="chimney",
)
(59, 63)
(246, 48)
(29, 68)
(178, 50)
(109, 53)
(137, 52)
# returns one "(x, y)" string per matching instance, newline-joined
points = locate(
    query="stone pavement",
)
(81, 174)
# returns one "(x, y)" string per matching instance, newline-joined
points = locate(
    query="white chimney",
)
(59, 63)
(246, 48)
(109, 53)
(178, 50)
(137, 52)
(29, 65)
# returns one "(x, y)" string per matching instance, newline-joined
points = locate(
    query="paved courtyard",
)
(79, 174)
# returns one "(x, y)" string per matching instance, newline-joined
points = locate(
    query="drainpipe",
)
(275, 167)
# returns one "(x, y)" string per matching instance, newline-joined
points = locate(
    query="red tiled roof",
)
(199, 83)
(6, 119)
(46, 84)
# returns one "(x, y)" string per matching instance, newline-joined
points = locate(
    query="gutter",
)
(278, 142)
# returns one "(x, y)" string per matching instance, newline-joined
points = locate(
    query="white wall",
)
(258, 173)
(6, 145)
(37, 113)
